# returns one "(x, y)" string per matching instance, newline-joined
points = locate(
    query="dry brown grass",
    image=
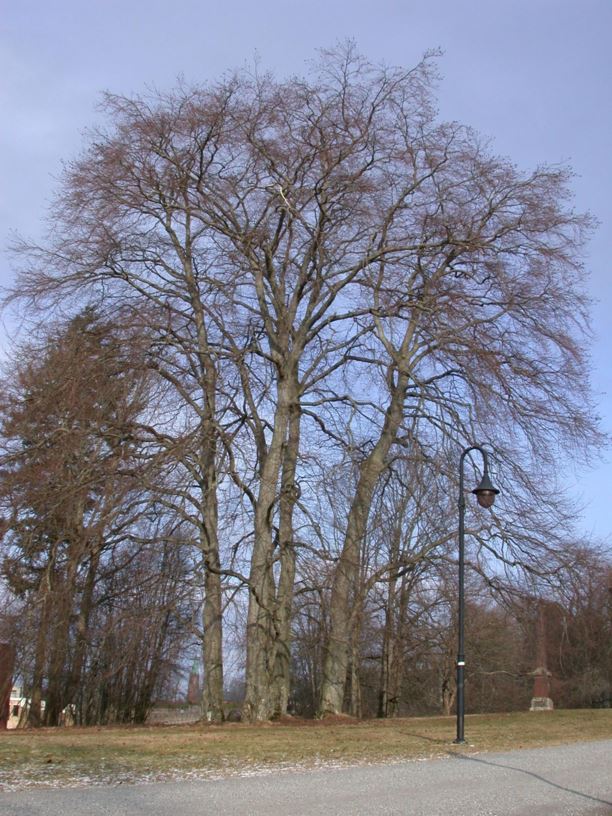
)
(91, 755)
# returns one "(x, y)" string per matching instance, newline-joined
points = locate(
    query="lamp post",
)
(485, 493)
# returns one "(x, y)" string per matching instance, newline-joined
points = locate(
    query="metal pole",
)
(461, 611)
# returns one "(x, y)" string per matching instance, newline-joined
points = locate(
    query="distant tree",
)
(139, 631)
(69, 488)
(578, 626)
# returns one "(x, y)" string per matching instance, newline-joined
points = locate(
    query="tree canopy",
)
(334, 292)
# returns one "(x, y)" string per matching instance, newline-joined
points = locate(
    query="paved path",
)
(562, 781)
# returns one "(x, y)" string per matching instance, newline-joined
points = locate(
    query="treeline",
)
(275, 313)
(100, 582)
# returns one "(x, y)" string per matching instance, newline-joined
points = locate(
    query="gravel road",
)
(562, 781)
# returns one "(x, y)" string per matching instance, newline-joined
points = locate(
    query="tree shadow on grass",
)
(441, 741)
(467, 758)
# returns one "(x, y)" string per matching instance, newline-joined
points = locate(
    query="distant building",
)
(18, 708)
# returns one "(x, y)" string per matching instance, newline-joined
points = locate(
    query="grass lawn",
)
(82, 756)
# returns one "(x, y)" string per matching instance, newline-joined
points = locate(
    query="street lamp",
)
(485, 493)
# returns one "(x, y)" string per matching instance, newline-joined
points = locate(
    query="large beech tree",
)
(320, 262)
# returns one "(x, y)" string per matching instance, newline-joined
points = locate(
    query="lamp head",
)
(485, 492)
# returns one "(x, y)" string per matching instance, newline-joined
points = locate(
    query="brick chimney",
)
(541, 700)
(194, 692)
(7, 666)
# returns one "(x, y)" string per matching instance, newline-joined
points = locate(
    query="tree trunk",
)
(396, 653)
(212, 615)
(289, 497)
(395, 605)
(262, 631)
(347, 570)
(212, 694)
(385, 695)
(82, 631)
(354, 673)
(59, 672)
(35, 706)
(57, 666)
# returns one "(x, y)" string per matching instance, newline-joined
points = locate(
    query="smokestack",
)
(7, 667)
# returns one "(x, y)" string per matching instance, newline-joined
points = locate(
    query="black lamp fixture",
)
(485, 493)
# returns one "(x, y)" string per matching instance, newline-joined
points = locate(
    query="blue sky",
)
(534, 76)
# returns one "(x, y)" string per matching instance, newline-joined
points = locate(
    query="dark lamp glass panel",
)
(485, 498)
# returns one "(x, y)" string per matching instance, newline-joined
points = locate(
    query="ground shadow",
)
(467, 758)
(441, 741)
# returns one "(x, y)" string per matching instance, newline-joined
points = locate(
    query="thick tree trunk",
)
(260, 637)
(35, 706)
(289, 497)
(212, 694)
(212, 615)
(262, 631)
(346, 578)
(57, 672)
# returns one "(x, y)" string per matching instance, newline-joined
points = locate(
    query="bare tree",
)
(477, 313)
(68, 486)
(321, 262)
